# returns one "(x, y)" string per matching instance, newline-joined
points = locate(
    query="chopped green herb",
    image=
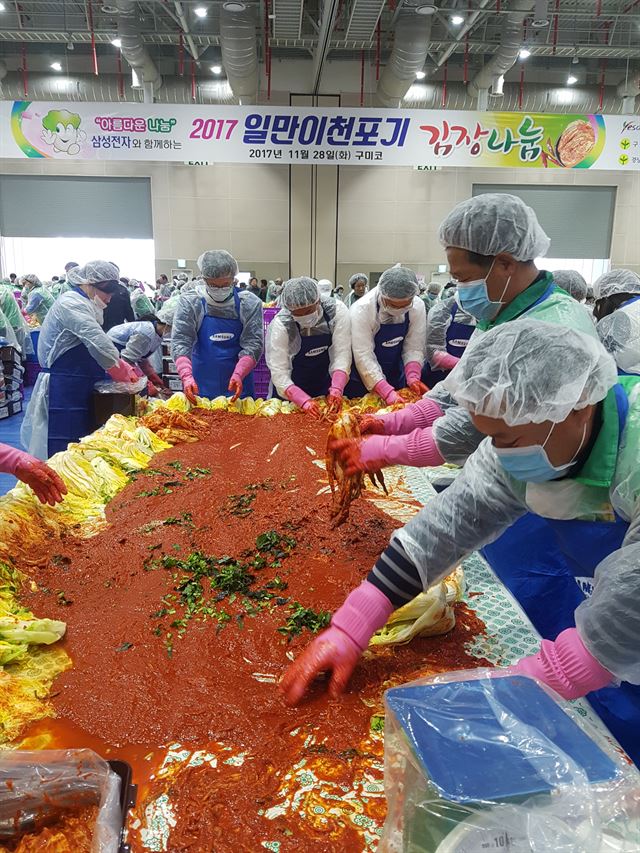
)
(377, 723)
(124, 647)
(304, 617)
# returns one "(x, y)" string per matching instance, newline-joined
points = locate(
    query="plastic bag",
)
(38, 788)
(490, 760)
(109, 387)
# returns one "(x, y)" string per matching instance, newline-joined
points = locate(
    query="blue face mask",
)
(531, 464)
(473, 297)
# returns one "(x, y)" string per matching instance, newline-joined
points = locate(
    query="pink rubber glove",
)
(297, 395)
(244, 367)
(412, 372)
(48, 486)
(418, 415)
(339, 381)
(123, 372)
(184, 368)
(388, 393)
(338, 649)
(566, 666)
(443, 361)
(375, 452)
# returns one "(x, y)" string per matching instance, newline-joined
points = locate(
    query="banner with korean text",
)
(336, 136)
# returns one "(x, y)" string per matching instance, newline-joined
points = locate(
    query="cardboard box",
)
(10, 355)
(168, 367)
(15, 408)
(174, 383)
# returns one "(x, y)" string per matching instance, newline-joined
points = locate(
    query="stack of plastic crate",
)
(261, 373)
(169, 370)
(12, 382)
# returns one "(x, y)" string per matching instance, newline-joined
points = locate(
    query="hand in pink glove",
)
(339, 647)
(371, 424)
(374, 452)
(189, 384)
(48, 486)
(334, 401)
(388, 393)
(444, 361)
(418, 415)
(413, 372)
(566, 666)
(235, 386)
(312, 408)
(123, 372)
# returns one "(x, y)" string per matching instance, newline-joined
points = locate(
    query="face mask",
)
(531, 464)
(98, 308)
(308, 321)
(396, 313)
(219, 294)
(473, 297)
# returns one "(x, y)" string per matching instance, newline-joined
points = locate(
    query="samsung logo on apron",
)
(315, 352)
(393, 342)
(458, 342)
(222, 336)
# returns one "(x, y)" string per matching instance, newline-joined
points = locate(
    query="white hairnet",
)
(217, 263)
(528, 371)
(433, 287)
(572, 282)
(620, 335)
(616, 281)
(300, 293)
(359, 276)
(32, 279)
(93, 272)
(325, 287)
(165, 314)
(398, 283)
(492, 223)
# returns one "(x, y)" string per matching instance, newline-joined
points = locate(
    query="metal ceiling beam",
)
(327, 24)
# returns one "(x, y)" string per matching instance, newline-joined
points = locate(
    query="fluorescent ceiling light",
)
(457, 20)
(116, 42)
(217, 69)
(524, 53)
(420, 75)
(200, 12)
(56, 66)
(571, 79)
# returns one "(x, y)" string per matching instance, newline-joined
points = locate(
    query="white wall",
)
(385, 214)
(392, 214)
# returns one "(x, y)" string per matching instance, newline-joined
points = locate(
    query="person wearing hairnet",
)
(218, 332)
(613, 289)
(573, 282)
(449, 329)
(491, 242)
(430, 295)
(358, 285)
(620, 335)
(136, 342)
(140, 302)
(308, 347)
(11, 310)
(74, 353)
(388, 333)
(36, 298)
(325, 287)
(562, 441)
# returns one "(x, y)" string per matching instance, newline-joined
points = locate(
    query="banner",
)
(313, 136)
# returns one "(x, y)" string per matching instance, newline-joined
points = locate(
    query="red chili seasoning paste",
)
(218, 565)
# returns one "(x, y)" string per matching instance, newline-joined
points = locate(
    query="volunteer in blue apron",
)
(491, 242)
(308, 347)
(137, 342)
(563, 441)
(612, 290)
(449, 328)
(620, 335)
(573, 282)
(218, 333)
(74, 352)
(388, 333)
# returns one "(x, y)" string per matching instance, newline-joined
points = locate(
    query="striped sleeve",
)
(395, 575)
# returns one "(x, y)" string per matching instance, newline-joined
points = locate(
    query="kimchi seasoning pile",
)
(217, 566)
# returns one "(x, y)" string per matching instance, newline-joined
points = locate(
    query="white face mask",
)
(218, 294)
(98, 308)
(308, 321)
(396, 313)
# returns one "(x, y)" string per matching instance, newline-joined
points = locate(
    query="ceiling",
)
(595, 33)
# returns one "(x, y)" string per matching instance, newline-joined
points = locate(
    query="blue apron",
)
(552, 581)
(216, 352)
(458, 335)
(71, 383)
(310, 368)
(387, 349)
